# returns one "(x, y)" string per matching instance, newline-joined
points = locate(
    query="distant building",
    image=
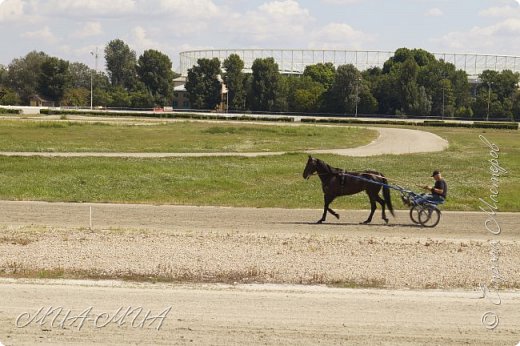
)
(37, 101)
(180, 95)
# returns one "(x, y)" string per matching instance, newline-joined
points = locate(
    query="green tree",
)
(321, 73)
(448, 88)
(24, 73)
(80, 75)
(264, 84)
(155, 71)
(385, 89)
(76, 97)
(142, 99)
(305, 94)
(234, 79)
(343, 95)
(367, 102)
(281, 99)
(496, 94)
(414, 99)
(119, 98)
(203, 84)
(54, 78)
(420, 56)
(121, 64)
(515, 109)
(3, 75)
(9, 97)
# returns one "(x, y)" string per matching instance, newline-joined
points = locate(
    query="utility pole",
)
(95, 55)
(358, 80)
(489, 99)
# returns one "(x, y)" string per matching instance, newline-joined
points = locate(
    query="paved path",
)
(390, 141)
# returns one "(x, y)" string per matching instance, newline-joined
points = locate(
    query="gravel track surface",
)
(209, 244)
(267, 248)
(250, 315)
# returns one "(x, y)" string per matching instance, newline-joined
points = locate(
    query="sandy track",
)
(213, 244)
(253, 315)
(248, 245)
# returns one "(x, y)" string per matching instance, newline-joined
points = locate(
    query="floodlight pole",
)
(95, 55)
(489, 100)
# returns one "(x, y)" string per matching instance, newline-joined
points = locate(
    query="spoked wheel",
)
(429, 216)
(414, 213)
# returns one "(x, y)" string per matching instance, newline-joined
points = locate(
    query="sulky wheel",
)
(429, 216)
(414, 213)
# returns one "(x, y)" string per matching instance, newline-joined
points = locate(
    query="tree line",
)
(142, 82)
(411, 83)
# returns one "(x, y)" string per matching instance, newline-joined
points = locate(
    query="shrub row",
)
(10, 111)
(198, 116)
(476, 124)
(206, 116)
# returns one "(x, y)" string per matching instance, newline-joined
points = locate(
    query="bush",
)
(10, 111)
(488, 125)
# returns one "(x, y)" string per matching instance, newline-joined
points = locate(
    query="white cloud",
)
(340, 36)
(11, 10)
(141, 39)
(500, 38)
(341, 2)
(83, 8)
(501, 12)
(189, 8)
(90, 29)
(289, 8)
(434, 12)
(44, 34)
(273, 22)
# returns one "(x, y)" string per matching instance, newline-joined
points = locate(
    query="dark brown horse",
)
(336, 182)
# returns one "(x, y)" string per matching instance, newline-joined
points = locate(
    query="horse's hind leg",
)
(382, 202)
(373, 208)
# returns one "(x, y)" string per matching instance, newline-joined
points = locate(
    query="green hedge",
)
(10, 111)
(205, 116)
(104, 113)
(356, 121)
(198, 116)
(488, 125)
(441, 123)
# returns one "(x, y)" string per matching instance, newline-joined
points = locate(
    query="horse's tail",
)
(386, 195)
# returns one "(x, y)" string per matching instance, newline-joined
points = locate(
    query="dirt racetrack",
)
(404, 284)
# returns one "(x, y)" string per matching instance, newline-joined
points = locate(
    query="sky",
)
(72, 29)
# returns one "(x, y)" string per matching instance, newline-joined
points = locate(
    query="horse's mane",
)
(329, 168)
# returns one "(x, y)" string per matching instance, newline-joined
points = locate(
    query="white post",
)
(90, 218)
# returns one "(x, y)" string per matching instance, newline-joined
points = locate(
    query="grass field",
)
(257, 182)
(182, 137)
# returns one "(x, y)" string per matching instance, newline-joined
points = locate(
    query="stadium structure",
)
(294, 61)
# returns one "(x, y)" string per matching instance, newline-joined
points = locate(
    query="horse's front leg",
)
(327, 201)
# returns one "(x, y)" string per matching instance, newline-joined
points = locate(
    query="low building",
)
(37, 101)
(181, 98)
(180, 95)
